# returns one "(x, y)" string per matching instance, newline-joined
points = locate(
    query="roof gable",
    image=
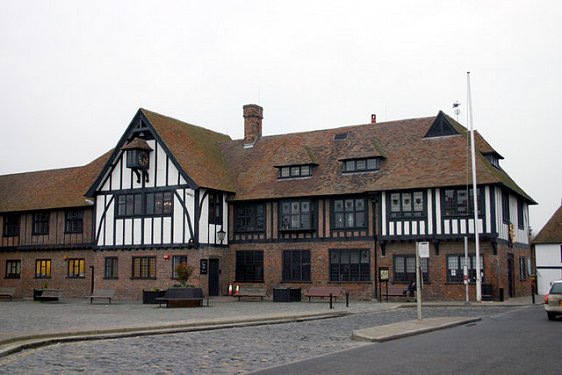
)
(552, 230)
(441, 127)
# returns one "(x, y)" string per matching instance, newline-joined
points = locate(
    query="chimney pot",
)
(253, 115)
(373, 118)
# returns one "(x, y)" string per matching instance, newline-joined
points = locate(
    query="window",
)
(460, 202)
(361, 165)
(41, 223)
(405, 268)
(349, 265)
(249, 265)
(455, 268)
(146, 204)
(297, 215)
(74, 221)
(494, 160)
(295, 171)
(505, 207)
(75, 268)
(407, 204)
(111, 268)
(522, 268)
(42, 268)
(215, 208)
(250, 217)
(11, 225)
(176, 260)
(296, 265)
(144, 268)
(520, 214)
(13, 269)
(349, 213)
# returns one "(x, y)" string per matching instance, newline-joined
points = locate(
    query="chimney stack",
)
(373, 119)
(253, 114)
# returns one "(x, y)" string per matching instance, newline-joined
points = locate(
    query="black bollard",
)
(346, 299)
(331, 307)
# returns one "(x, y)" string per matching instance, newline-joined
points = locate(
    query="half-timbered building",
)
(328, 207)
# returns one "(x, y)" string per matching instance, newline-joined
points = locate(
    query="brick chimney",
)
(253, 114)
(373, 119)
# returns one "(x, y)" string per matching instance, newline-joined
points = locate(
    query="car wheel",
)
(551, 315)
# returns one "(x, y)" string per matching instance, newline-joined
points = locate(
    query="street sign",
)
(423, 249)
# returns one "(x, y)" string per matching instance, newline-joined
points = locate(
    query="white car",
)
(553, 300)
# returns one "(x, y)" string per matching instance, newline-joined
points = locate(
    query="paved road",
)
(520, 341)
(225, 351)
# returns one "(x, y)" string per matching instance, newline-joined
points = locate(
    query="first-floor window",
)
(144, 268)
(42, 268)
(110, 268)
(13, 269)
(349, 213)
(297, 215)
(11, 225)
(74, 220)
(522, 268)
(405, 268)
(249, 265)
(455, 268)
(75, 268)
(41, 223)
(177, 260)
(350, 265)
(296, 265)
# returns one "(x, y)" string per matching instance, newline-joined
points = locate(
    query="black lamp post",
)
(92, 281)
(221, 234)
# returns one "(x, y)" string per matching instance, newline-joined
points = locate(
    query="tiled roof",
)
(196, 149)
(409, 161)
(57, 188)
(552, 231)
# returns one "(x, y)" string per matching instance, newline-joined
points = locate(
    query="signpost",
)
(422, 251)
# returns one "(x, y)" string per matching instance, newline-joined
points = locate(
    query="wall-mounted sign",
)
(423, 249)
(383, 274)
(203, 266)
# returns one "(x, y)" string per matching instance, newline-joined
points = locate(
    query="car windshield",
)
(556, 288)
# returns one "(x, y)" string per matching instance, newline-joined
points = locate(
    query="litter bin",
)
(286, 294)
(501, 294)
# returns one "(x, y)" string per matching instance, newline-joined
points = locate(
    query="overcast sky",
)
(74, 73)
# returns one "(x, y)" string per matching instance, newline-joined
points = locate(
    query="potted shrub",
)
(183, 273)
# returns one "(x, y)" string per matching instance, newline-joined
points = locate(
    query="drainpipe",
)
(374, 200)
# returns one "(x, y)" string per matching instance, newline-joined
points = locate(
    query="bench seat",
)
(102, 294)
(325, 291)
(49, 295)
(183, 297)
(250, 292)
(7, 292)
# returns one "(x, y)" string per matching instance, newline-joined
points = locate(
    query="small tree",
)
(183, 272)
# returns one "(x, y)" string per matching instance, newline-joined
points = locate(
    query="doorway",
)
(214, 278)
(510, 270)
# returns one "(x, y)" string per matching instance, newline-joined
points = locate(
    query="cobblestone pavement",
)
(223, 351)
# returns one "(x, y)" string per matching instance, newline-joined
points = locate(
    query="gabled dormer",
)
(441, 127)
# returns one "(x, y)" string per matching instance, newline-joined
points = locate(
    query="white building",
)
(548, 252)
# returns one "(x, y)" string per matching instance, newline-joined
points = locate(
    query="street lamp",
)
(220, 235)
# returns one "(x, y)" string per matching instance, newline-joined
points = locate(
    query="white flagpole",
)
(474, 196)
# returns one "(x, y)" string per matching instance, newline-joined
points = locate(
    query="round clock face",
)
(143, 159)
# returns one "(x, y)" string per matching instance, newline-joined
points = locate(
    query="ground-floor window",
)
(296, 265)
(350, 265)
(13, 269)
(522, 268)
(455, 268)
(177, 260)
(42, 268)
(249, 265)
(75, 268)
(405, 268)
(144, 268)
(110, 268)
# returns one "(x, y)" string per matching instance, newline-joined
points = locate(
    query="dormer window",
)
(493, 159)
(295, 171)
(361, 165)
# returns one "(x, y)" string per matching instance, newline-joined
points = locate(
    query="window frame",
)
(296, 266)
(73, 221)
(459, 270)
(43, 268)
(40, 223)
(347, 212)
(286, 219)
(248, 218)
(520, 214)
(11, 225)
(177, 259)
(251, 268)
(146, 269)
(352, 165)
(215, 207)
(111, 268)
(76, 268)
(342, 268)
(13, 265)
(295, 171)
(405, 276)
(144, 204)
(505, 208)
(523, 275)
(400, 210)
(450, 206)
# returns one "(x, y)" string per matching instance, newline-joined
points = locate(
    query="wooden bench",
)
(49, 295)
(325, 291)
(6, 292)
(102, 294)
(396, 290)
(183, 297)
(250, 292)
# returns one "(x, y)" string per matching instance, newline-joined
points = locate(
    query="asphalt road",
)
(521, 341)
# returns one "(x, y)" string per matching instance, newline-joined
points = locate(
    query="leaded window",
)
(297, 215)
(145, 204)
(13, 269)
(75, 268)
(405, 268)
(74, 221)
(249, 265)
(361, 165)
(407, 204)
(111, 268)
(215, 208)
(505, 207)
(350, 265)
(11, 225)
(249, 217)
(42, 268)
(520, 214)
(295, 171)
(176, 261)
(296, 265)
(144, 268)
(455, 268)
(349, 213)
(41, 222)
(460, 202)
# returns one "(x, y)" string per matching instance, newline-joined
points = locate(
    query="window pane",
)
(418, 201)
(361, 165)
(372, 164)
(406, 202)
(350, 165)
(295, 171)
(305, 170)
(395, 202)
(338, 205)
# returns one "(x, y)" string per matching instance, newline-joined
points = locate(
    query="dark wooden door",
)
(214, 277)
(510, 269)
